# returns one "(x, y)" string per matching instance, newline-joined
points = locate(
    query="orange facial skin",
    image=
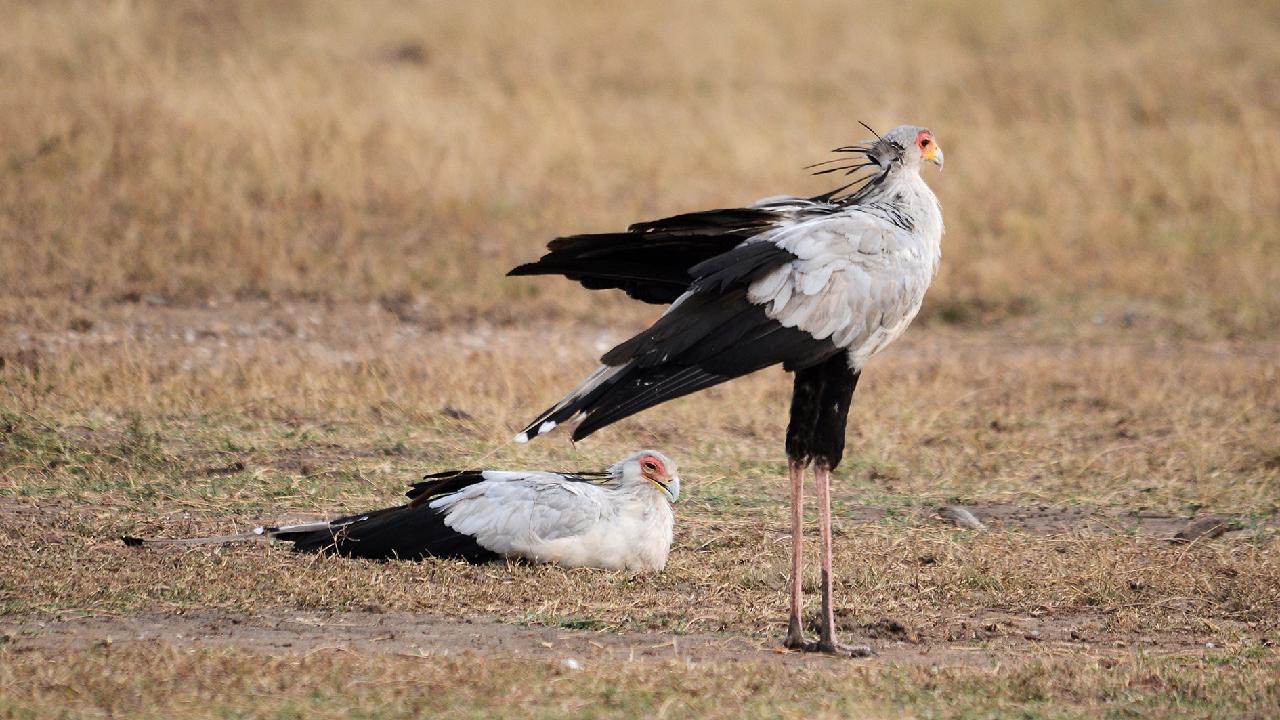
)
(929, 149)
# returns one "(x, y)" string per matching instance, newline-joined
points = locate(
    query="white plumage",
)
(858, 278)
(623, 522)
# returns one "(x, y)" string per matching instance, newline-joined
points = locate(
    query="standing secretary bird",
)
(817, 284)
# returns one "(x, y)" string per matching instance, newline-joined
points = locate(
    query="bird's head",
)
(905, 147)
(651, 467)
(910, 145)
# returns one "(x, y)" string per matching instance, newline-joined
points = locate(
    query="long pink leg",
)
(827, 638)
(795, 631)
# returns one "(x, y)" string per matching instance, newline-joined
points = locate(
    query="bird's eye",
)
(649, 467)
(924, 143)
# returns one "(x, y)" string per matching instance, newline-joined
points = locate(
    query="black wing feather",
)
(450, 481)
(709, 222)
(651, 262)
(404, 533)
(699, 345)
(742, 264)
(407, 532)
(713, 334)
(642, 390)
(711, 313)
(442, 483)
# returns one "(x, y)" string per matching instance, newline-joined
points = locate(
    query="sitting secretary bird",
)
(616, 519)
(818, 285)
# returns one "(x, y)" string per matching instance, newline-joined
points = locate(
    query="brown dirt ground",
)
(979, 638)
(982, 640)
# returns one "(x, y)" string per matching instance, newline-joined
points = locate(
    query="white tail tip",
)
(522, 438)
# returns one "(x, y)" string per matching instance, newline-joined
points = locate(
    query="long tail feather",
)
(407, 532)
(574, 403)
(257, 534)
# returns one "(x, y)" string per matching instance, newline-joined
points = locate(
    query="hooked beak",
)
(671, 487)
(934, 155)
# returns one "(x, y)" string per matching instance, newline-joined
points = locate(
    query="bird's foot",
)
(796, 641)
(831, 647)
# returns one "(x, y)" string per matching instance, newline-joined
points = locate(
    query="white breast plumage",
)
(859, 277)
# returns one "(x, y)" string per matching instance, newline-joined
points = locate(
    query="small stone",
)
(891, 629)
(455, 413)
(960, 517)
(1207, 527)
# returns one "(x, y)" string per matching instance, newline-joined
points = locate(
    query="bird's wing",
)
(795, 296)
(514, 512)
(442, 483)
(651, 261)
(857, 280)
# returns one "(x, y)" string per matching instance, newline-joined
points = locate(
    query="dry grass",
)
(213, 684)
(192, 421)
(250, 268)
(1102, 158)
(1107, 417)
(724, 576)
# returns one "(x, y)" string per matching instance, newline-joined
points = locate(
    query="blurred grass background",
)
(1102, 157)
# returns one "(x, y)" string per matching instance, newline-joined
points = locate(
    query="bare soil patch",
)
(1052, 519)
(987, 639)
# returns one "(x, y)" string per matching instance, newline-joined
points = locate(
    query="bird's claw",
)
(831, 647)
(828, 647)
(797, 641)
